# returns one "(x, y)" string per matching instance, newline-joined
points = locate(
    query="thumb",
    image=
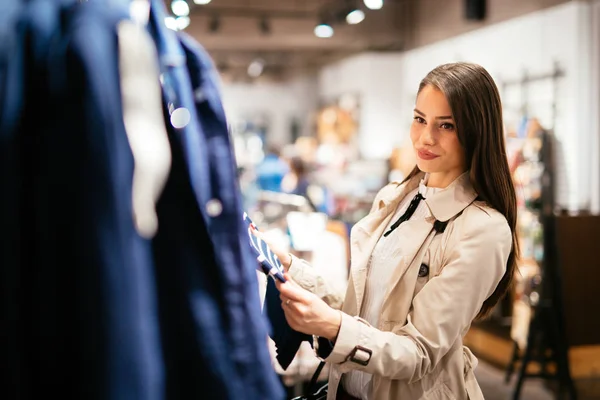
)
(288, 279)
(293, 291)
(257, 233)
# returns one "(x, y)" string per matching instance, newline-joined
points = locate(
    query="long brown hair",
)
(477, 111)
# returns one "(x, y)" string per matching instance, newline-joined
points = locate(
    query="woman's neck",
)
(442, 180)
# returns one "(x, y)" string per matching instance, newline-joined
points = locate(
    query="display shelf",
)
(496, 349)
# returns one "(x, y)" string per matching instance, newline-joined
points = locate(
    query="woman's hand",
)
(283, 255)
(307, 313)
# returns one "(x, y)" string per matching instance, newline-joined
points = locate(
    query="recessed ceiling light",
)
(201, 2)
(374, 4)
(355, 17)
(180, 8)
(171, 23)
(323, 31)
(182, 23)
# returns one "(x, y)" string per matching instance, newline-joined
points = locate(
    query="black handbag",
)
(314, 393)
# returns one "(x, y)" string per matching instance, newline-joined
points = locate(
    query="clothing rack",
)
(523, 83)
(523, 107)
(546, 342)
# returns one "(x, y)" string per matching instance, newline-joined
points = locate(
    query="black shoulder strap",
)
(312, 386)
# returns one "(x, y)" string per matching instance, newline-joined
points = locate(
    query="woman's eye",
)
(447, 126)
(419, 120)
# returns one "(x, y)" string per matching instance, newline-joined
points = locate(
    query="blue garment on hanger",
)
(233, 250)
(214, 336)
(190, 284)
(11, 98)
(83, 307)
(79, 314)
(287, 341)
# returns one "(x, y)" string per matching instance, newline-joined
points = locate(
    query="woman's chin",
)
(426, 166)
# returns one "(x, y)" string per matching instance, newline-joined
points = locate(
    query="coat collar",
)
(445, 204)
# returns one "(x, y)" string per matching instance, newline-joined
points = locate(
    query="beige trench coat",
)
(417, 350)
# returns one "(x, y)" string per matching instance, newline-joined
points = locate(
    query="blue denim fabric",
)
(213, 333)
(228, 233)
(79, 306)
(191, 287)
(11, 103)
(287, 341)
(86, 312)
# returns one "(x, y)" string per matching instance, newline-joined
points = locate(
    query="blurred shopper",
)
(298, 181)
(437, 251)
(270, 172)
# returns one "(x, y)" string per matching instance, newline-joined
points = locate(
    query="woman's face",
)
(435, 140)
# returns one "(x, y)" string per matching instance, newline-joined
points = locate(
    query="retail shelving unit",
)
(538, 328)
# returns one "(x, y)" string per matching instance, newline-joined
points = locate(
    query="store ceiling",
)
(281, 32)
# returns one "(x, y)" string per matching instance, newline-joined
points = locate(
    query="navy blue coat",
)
(82, 308)
(89, 308)
(215, 344)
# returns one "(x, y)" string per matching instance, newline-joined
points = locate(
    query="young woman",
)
(436, 252)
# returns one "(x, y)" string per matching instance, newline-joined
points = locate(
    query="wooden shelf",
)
(584, 360)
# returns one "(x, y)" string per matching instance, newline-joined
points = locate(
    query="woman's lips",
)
(426, 155)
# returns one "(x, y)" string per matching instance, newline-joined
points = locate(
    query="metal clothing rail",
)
(526, 78)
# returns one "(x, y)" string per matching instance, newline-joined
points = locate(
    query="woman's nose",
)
(427, 136)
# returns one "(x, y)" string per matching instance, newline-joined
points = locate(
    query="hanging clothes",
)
(90, 309)
(11, 104)
(287, 341)
(84, 300)
(201, 201)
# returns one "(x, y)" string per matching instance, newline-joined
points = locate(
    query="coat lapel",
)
(366, 232)
(404, 276)
(444, 206)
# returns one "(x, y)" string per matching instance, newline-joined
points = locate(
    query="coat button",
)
(214, 208)
(423, 271)
(180, 117)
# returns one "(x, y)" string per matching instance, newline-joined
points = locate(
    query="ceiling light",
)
(201, 2)
(171, 23)
(323, 31)
(355, 17)
(180, 8)
(374, 4)
(182, 23)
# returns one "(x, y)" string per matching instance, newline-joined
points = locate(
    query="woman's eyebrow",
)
(421, 113)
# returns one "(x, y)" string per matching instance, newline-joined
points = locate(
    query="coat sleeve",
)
(442, 311)
(310, 279)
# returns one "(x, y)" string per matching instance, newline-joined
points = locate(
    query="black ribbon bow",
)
(412, 207)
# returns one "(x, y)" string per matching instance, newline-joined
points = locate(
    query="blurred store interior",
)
(339, 97)
(319, 97)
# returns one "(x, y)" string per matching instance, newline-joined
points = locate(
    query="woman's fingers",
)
(257, 233)
(294, 292)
